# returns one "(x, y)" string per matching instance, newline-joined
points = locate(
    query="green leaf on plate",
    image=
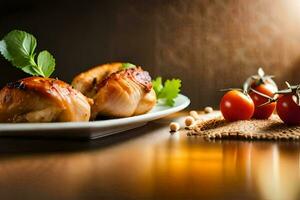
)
(127, 65)
(167, 91)
(18, 47)
(46, 63)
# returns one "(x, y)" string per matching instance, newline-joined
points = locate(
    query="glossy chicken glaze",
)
(117, 93)
(87, 82)
(37, 99)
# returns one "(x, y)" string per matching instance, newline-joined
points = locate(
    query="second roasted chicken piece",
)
(123, 93)
(88, 81)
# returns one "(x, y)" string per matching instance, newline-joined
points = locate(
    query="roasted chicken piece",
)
(37, 99)
(117, 92)
(88, 81)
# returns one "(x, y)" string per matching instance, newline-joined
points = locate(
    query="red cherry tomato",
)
(263, 112)
(288, 110)
(235, 105)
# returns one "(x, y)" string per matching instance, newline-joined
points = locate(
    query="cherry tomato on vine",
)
(288, 110)
(264, 84)
(263, 112)
(258, 79)
(236, 105)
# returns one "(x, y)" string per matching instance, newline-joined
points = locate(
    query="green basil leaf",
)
(46, 63)
(128, 65)
(3, 50)
(30, 70)
(18, 47)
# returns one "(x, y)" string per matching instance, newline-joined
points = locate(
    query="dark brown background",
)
(209, 44)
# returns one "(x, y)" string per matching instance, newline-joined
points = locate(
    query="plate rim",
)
(96, 124)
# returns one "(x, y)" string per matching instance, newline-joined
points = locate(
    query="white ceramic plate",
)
(94, 129)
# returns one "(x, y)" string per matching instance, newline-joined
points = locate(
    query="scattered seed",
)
(189, 121)
(194, 114)
(208, 109)
(174, 126)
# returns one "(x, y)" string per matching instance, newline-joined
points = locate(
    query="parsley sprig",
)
(18, 47)
(167, 92)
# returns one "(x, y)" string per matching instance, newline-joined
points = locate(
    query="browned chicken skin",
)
(117, 92)
(37, 99)
(88, 81)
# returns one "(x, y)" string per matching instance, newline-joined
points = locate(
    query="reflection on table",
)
(149, 163)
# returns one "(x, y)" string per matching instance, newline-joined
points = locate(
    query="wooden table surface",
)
(148, 163)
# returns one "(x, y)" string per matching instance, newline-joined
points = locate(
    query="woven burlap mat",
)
(217, 128)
